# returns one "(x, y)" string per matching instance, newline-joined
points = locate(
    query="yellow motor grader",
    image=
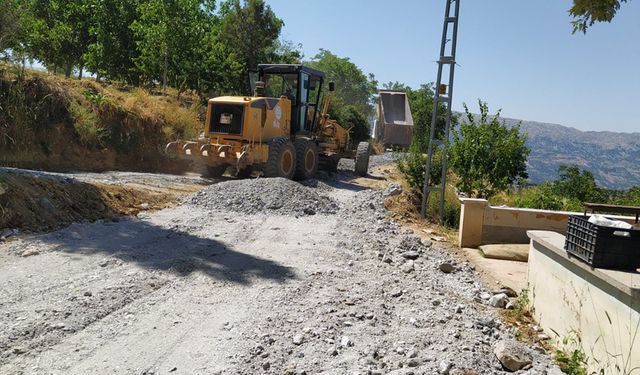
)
(278, 131)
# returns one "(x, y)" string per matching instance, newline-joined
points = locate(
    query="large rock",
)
(512, 355)
(46, 204)
(413, 255)
(446, 267)
(499, 300)
(393, 189)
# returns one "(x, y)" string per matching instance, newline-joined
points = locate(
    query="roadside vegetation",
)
(123, 78)
(487, 159)
(573, 187)
(49, 122)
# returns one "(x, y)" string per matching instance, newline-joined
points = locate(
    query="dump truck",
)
(394, 124)
(279, 131)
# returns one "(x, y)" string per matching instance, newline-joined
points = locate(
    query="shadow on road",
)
(158, 248)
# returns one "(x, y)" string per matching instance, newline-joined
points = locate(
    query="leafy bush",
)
(572, 361)
(487, 155)
(567, 193)
(541, 197)
(629, 198)
(578, 184)
(352, 118)
(452, 207)
(411, 165)
(96, 99)
(86, 124)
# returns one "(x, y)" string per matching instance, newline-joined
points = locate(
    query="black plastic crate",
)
(602, 247)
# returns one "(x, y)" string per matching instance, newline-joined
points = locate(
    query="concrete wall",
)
(481, 223)
(601, 308)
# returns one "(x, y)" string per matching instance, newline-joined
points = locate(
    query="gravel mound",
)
(272, 195)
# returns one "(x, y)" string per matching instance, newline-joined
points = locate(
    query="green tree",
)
(113, 53)
(353, 87)
(285, 52)
(421, 104)
(58, 33)
(398, 86)
(250, 31)
(169, 37)
(9, 23)
(486, 155)
(630, 197)
(578, 184)
(587, 12)
(351, 118)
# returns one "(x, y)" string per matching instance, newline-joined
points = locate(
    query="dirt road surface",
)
(330, 286)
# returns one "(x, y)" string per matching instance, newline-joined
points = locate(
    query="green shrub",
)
(86, 124)
(574, 361)
(541, 197)
(96, 99)
(411, 165)
(452, 207)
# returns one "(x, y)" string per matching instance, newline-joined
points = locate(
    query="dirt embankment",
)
(57, 124)
(46, 202)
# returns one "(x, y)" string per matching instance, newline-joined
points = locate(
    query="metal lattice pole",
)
(443, 94)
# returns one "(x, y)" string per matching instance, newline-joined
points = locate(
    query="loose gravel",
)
(273, 195)
(241, 280)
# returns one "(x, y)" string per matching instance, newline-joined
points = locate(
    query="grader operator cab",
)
(280, 130)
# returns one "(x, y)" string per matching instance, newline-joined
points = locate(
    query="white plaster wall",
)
(569, 301)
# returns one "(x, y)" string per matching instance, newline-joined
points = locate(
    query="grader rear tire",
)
(215, 171)
(306, 159)
(282, 159)
(362, 158)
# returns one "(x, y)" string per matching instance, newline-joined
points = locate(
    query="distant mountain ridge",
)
(613, 158)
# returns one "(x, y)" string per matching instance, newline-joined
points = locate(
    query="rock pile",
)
(272, 195)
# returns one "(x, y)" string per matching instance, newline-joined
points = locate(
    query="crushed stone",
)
(265, 195)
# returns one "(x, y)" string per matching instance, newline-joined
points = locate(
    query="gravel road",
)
(222, 285)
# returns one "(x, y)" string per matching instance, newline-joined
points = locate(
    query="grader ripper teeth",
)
(279, 131)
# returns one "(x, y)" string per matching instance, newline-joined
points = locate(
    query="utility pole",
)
(443, 94)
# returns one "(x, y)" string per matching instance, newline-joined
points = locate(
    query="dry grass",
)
(404, 208)
(82, 124)
(377, 147)
(177, 117)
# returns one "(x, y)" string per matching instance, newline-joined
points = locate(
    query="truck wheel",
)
(306, 159)
(215, 171)
(362, 158)
(282, 159)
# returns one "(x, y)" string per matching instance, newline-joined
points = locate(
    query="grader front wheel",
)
(282, 159)
(306, 159)
(362, 158)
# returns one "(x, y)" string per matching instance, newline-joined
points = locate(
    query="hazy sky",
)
(517, 55)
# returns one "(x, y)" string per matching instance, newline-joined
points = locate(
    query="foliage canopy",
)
(486, 155)
(587, 12)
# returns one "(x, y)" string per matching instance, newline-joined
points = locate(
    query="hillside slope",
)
(52, 123)
(613, 158)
